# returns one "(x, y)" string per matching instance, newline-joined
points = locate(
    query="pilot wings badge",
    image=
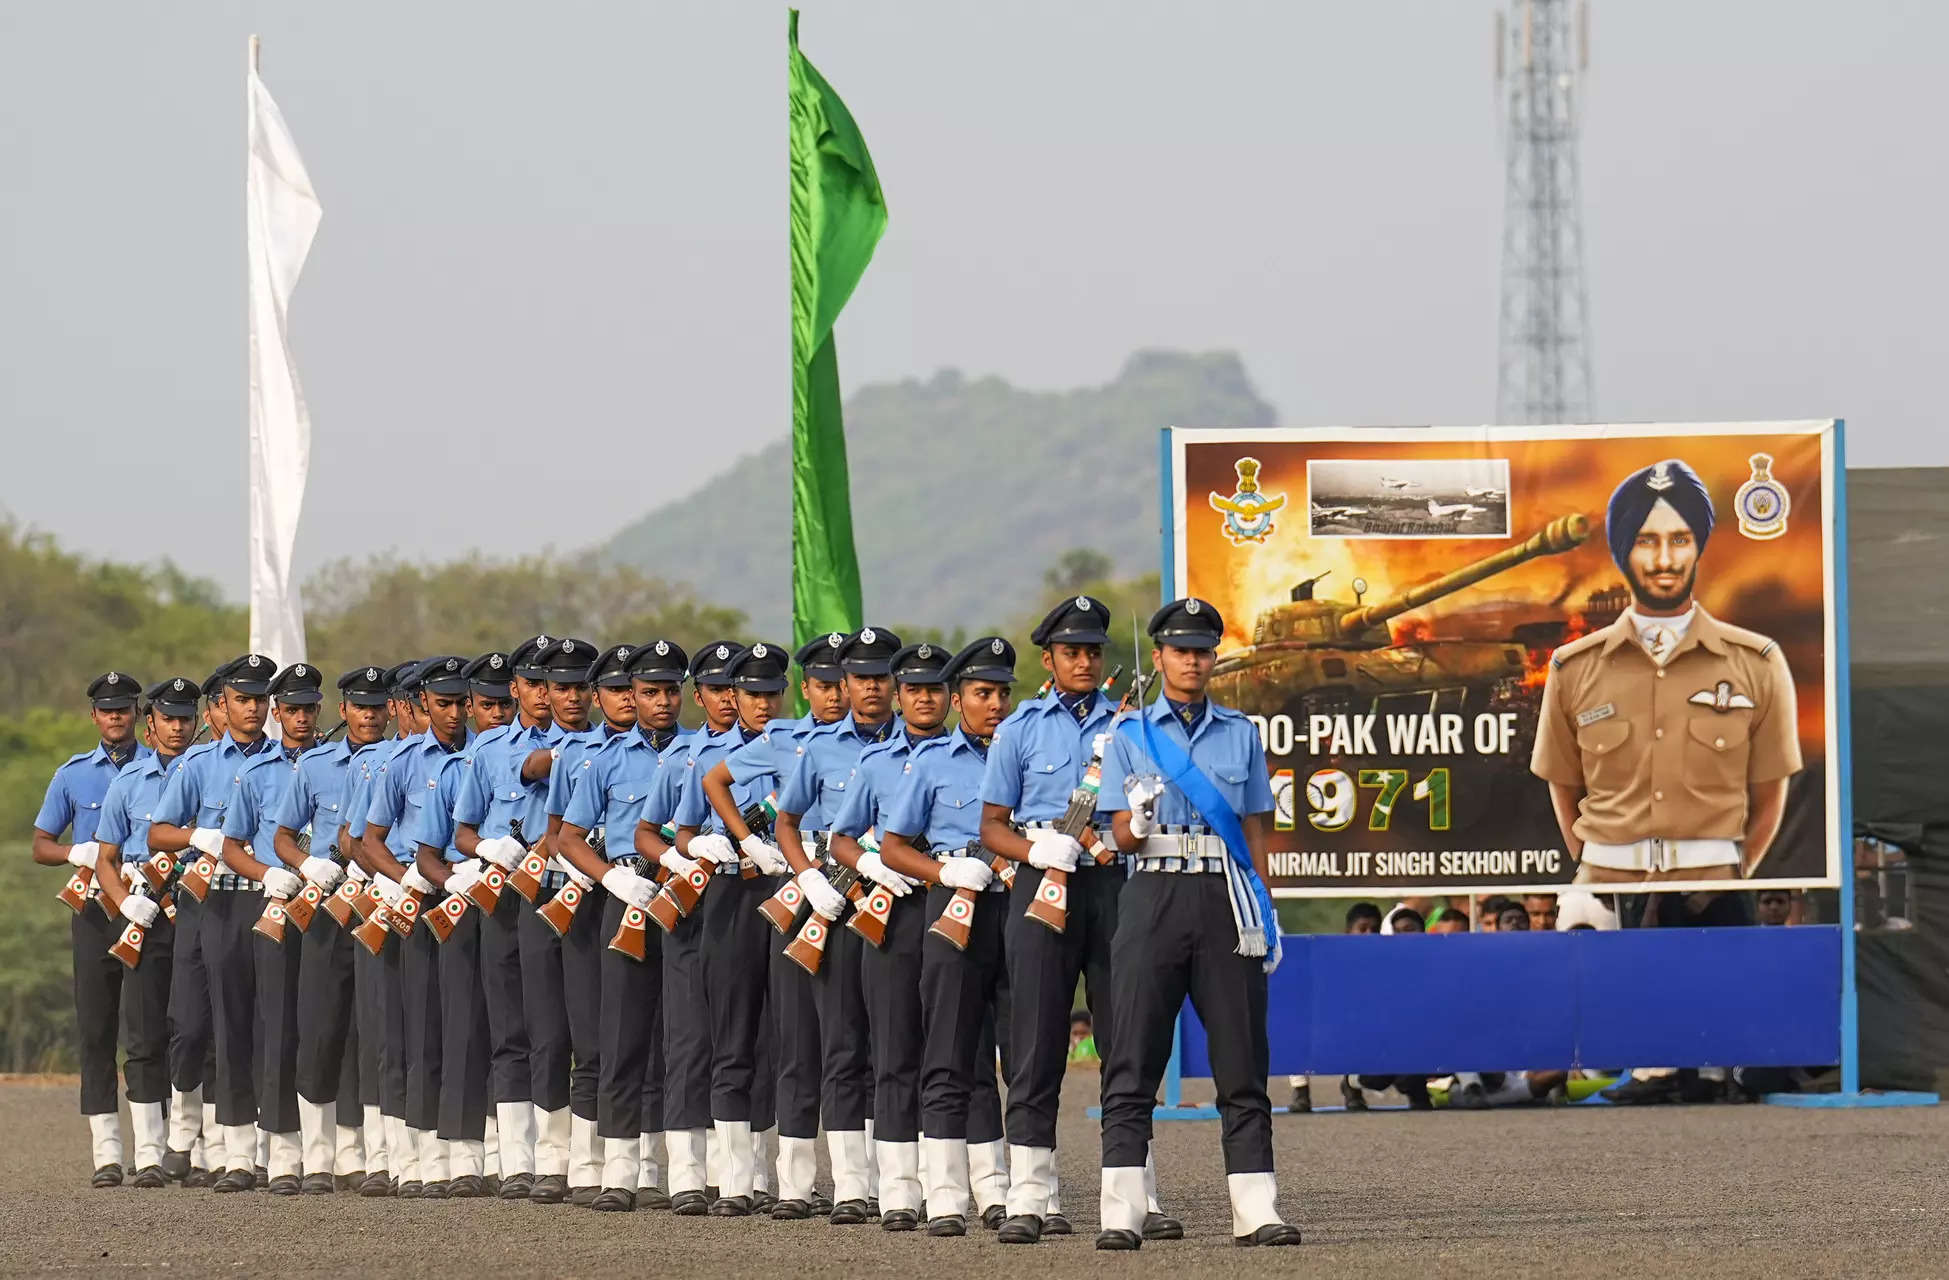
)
(1248, 512)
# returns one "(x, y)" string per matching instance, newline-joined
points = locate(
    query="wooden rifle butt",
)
(74, 894)
(371, 934)
(486, 893)
(1051, 905)
(663, 910)
(271, 923)
(632, 934)
(406, 914)
(781, 910)
(525, 879)
(956, 923)
(688, 889)
(128, 947)
(197, 880)
(339, 905)
(303, 908)
(872, 914)
(157, 868)
(559, 912)
(445, 917)
(808, 949)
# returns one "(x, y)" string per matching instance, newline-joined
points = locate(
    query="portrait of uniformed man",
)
(1667, 738)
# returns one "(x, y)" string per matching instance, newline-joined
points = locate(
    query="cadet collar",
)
(248, 748)
(120, 756)
(873, 733)
(915, 739)
(289, 753)
(979, 744)
(611, 731)
(159, 763)
(446, 747)
(744, 734)
(1079, 705)
(660, 739)
(1188, 714)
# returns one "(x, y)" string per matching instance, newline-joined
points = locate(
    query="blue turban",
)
(1632, 501)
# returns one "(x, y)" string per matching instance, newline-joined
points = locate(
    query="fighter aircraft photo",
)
(1408, 498)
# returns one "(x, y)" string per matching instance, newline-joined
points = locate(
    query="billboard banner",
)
(1516, 658)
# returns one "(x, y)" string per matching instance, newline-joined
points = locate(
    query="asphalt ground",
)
(1649, 1193)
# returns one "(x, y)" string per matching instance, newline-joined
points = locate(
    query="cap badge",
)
(759, 650)
(1083, 603)
(996, 646)
(372, 673)
(924, 652)
(835, 640)
(453, 664)
(867, 636)
(256, 661)
(1191, 607)
(662, 648)
(622, 651)
(568, 646)
(723, 652)
(542, 642)
(1660, 478)
(495, 662)
(299, 671)
(113, 678)
(179, 684)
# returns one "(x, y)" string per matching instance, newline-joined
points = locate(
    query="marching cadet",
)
(249, 851)
(1038, 759)
(937, 799)
(73, 804)
(610, 797)
(1188, 790)
(573, 661)
(736, 943)
(508, 784)
(890, 973)
(760, 766)
(191, 815)
(813, 790)
(169, 714)
(392, 815)
(687, 1047)
(463, 998)
(328, 1076)
(195, 1140)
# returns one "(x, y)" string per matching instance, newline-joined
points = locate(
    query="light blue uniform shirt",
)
(260, 784)
(401, 790)
(130, 805)
(666, 784)
(939, 795)
(769, 757)
(318, 794)
(567, 773)
(493, 793)
(875, 781)
(1225, 746)
(200, 788)
(1039, 755)
(615, 787)
(364, 771)
(706, 749)
(815, 787)
(75, 793)
(432, 823)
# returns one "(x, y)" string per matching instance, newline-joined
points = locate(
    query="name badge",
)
(1595, 714)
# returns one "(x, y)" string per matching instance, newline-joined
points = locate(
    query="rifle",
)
(956, 921)
(525, 879)
(632, 931)
(681, 893)
(873, 905)
(371, 934)
(1051, 905)
(128, 947)
(74, 894)
(559, 911)
(781, 910)
(808, 949)
(297, 909)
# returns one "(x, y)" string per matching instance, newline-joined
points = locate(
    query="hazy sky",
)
(553, 251)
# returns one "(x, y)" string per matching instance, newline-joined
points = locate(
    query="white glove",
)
(84, 856)
(386, 889)
(280, 882)
(818, 890)
(503, 851)
(766, 854)
(881, 874)
(1140, 797)
(675, 863)
(1053, 851)
(569, 869)
(207, 840)
(712, 848)
(966, 873)
(630, 887)
(464, 876)
(357, 872)
(323, 872)
(142, 911)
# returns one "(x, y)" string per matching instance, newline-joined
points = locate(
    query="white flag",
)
(281, 218)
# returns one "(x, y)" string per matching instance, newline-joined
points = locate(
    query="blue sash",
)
(1258, 923)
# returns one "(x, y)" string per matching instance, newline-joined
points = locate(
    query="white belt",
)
(1659, 854)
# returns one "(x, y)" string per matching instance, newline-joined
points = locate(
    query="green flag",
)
(837, 217)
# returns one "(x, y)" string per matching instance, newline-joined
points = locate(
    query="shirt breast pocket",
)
(1231, 770)
(1046, 777)
(1715, 756)
(1608, 756)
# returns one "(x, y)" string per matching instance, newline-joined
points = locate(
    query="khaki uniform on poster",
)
(1666, 754)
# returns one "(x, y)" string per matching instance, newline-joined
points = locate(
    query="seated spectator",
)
(1491, 909)
(1448, 920)
(1542, 909)
(1511, 917)
(1774, 907)
(1403, 919)
(1363, 917)
(1082, 1037)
